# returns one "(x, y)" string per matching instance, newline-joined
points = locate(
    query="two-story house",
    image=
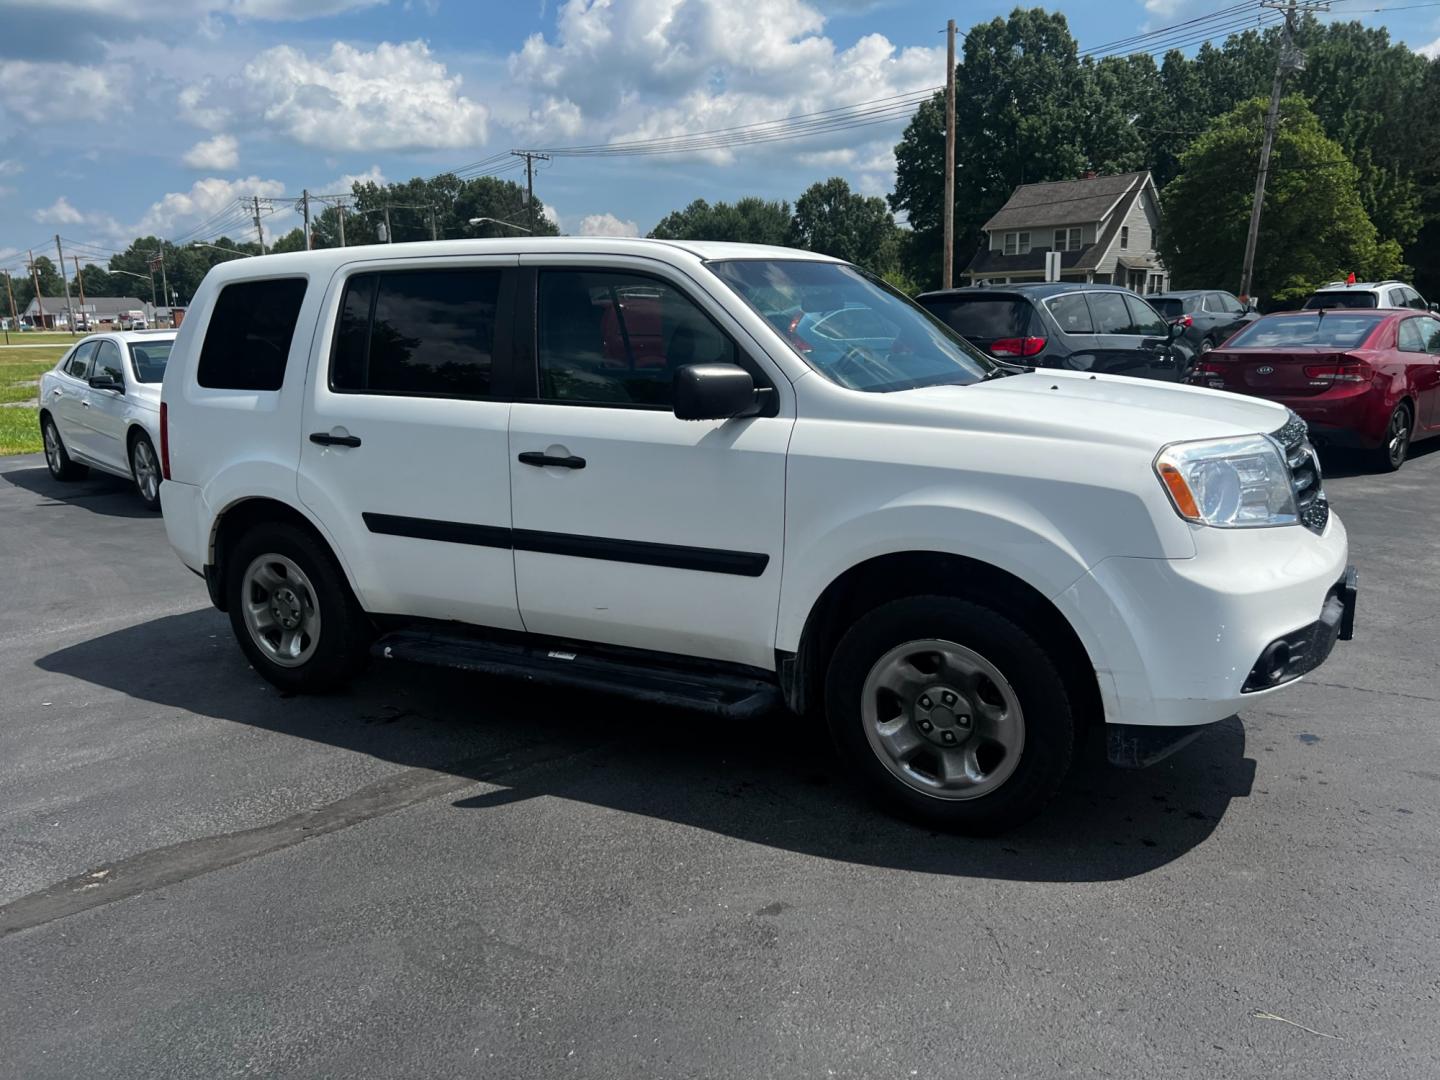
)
(1103, 226)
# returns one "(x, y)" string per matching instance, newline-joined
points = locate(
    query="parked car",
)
(1360, 378)
(456, 453)
(1207, 317)
(1101, 328)
(1367, 294)
(100, 408)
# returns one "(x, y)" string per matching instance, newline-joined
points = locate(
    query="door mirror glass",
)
(105, 382)
(713, 392)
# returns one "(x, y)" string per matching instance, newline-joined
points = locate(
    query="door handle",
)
(324, 438)
(540, 459)
(57, 392)
(85, 403)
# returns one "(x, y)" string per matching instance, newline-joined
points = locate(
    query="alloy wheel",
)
(1397, 437)
(280, 610)
(943, 719)
(146, 469)
(52, 447)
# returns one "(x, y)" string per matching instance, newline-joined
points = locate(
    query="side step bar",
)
(696, 686)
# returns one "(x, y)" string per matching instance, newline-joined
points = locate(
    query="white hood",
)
(1103, 408)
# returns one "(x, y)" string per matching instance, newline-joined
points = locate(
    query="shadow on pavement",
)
(772, 782)
(1337, 462)
(99, 492)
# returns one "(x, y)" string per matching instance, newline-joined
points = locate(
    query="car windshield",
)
(1172, 307)
(853, 328)
(1341, 300)
(982, 318)
(1304, 331)
(149, 358)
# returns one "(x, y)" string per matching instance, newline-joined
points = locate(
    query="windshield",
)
(981, 318)
(149, 359)
(1303, 331)
(853, 328)
(1341, 300)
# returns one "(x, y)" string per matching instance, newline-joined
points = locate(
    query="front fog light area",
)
(1228, 483)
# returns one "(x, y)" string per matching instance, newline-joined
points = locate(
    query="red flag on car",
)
(1350, 280)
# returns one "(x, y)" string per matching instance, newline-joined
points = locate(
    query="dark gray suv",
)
(1101, 328)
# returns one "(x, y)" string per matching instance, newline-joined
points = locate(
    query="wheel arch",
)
(896, 575)
(245, 513)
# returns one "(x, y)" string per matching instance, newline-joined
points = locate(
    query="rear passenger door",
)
(405, 457)
(67, 396)
(633, 527)
(1122, 347)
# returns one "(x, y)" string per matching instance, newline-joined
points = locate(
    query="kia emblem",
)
(1264, 369)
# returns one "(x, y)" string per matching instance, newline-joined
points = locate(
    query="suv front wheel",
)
(292, 610)
(950, 713)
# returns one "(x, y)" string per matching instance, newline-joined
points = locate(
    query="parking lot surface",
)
(442, 875)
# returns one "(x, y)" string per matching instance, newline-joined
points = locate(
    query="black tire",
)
(1033, 677)
(1395, 448)
(139, 471)
(342, 640)
(57, 460)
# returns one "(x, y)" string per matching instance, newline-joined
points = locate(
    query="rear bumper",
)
(1174, 641)
(1350, 416)
(183, 508)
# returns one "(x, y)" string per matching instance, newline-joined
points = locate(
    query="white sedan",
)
(100, 408)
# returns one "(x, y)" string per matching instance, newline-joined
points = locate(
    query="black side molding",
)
(643, 553)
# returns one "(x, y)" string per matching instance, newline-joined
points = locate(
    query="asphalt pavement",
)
(439, 875)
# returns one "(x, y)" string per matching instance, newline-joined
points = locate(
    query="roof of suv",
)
(1181, 294)
(665, 250)
(1359, 286)
(1039, 289)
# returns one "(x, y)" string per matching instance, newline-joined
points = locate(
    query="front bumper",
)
(1174, 641)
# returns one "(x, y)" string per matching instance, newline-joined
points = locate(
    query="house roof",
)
(94, 305)
(1064, 202)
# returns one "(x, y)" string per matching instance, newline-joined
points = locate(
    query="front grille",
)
(1304, 469)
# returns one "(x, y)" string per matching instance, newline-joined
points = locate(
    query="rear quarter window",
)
(248, 338)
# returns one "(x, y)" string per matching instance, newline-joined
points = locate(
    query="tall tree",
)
(1314, 227)
(833, 220)
(748, 221)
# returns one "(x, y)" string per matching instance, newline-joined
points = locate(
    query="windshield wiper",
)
(1000, 371)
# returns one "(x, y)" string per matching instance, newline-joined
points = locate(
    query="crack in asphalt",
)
(1370, 690)
(175, 863)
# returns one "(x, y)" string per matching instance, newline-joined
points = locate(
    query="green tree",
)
(1314, 226)
(833, 220)
(440, 207)
(751, 220)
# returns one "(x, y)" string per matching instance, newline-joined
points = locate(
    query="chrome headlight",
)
(1235, 483)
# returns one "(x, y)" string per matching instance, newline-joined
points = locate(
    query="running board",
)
(695, 686)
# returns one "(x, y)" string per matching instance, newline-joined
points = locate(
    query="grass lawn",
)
(20, 370)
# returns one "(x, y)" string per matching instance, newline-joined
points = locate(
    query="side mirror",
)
(713, 392)
(1435, 307)
(105, 382)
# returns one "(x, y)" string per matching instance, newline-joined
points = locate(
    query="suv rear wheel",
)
(292, 610)
(950, 713)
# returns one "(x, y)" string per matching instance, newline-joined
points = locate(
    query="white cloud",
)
(60, 212)
(550, 214)
(53, 91)
(278, 10)
(343, 184)
(206, 198)
(607, 225)
(221, 152)
(1432, 51)
(196, 109)
(10, 167)
(394, 97)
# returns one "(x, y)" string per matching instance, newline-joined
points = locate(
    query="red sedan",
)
(1361, 378)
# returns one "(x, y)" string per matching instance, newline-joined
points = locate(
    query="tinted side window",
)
(108, 362)
(1430, 334)
(418, 332)
(1072, 313)
(1143, 319)
(248, 339)
(78, 366)
(1409, 338)
(1415, 301)
(616, 339)
(1109, 313)
(1230, 305)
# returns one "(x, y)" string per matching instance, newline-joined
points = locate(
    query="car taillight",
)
(795, 339)
(1014, 346)
(1209, 372)
(1183, 320)
(164, 440)
(1353, 371)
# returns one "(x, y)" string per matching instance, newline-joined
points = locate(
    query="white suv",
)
(1367, 294)
(667, 470)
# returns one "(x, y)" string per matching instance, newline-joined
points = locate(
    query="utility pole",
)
(530, 158)
(69, 305)
(434, 231)
(340, 209)
(389, 236)
(948, 273)
(79, 284)
(260, 232)
(305, 202)
(14, 315)
(1289, 59)
(39, 300)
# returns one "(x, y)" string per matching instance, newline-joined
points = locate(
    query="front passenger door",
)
(633, 527)
(104, 410)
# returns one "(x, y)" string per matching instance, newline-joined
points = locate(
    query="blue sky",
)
(120, 116)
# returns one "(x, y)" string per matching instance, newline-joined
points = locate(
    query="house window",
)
(1010, 243)
(1124, 236)
(1067, 239)
(1017, 243)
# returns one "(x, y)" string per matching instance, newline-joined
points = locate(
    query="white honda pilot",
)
(724, 478)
